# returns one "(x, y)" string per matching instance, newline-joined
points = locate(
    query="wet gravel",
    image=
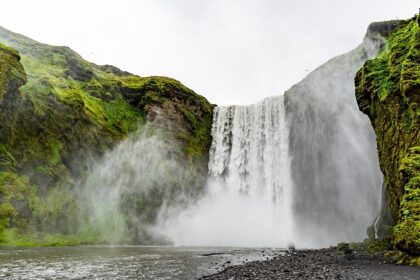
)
(320, 264)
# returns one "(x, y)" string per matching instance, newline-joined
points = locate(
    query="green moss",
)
(55, 212)
(371, 246)
(8, 50)
(12, 237)
(11, 71)
(379, 245)
(402, 258)
(198, 144)
(152, 97)
(12, 186)
(194, 109)
(59, 111)
(7, 161)
(407, 231)
(388, 91)
(48, 75)
(14, 189)
(122, 117)
(396, 69)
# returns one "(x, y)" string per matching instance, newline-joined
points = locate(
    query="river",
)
(122, 262)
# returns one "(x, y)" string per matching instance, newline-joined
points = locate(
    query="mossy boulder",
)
(12, 75)
(59, 111)
(388, 91)
(407, 231)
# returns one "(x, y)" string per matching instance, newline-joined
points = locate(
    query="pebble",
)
(320, 264)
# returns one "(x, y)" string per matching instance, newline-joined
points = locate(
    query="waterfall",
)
(250, 149)
(248, 199)
(335, 168)
(249, 154)
(300, 168)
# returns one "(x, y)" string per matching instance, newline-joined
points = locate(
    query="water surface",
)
(122, 262)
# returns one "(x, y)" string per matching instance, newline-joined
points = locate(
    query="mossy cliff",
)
(58, 112)
(388, 91)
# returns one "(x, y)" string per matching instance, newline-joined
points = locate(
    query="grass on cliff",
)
(388, 90)
(65, 111)
(396, 69)
(14, 190)
(10, 70)
(101, 103)
(407, 231)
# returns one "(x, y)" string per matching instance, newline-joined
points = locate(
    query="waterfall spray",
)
(334, 164)
(248, 200)
(127, 188)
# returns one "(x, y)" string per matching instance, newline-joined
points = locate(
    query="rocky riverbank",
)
(321, 264)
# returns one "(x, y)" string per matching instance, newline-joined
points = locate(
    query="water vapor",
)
(126, 189)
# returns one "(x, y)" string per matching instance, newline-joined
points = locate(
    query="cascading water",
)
(249, 156)
(249, 190)
(250, 150)
(335, 167)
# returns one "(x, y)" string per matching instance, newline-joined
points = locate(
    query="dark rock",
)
(320, 264)
(384, 28)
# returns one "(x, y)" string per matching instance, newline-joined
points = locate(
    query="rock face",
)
(388, 91)
(59, 111)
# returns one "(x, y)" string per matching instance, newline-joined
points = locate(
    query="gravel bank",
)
(320, 264)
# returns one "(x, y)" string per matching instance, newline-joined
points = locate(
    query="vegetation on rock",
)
(388, 91)
(59, 111)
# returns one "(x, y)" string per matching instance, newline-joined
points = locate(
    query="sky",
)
(230, 51)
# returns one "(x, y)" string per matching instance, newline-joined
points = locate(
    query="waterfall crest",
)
(250, 148)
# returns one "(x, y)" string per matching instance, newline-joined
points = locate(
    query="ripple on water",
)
(125, 262)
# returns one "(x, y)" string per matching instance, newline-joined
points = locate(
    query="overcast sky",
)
(231, 51)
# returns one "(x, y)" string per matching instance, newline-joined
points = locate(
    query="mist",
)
(126, 189)
(335, 167)
(226, 218)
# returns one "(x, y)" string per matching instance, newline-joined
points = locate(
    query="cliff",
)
(59, 112)
(388, 91)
